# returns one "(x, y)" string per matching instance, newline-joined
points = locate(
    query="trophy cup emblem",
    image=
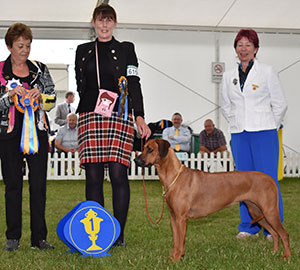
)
(92, 227)
(80, 230)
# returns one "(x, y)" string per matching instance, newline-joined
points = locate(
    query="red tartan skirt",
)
(104, 139)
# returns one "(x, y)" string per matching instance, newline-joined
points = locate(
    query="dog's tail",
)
(257, 219)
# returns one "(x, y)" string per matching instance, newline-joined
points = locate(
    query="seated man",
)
(178, 136)
(211, 139)
(66, 138)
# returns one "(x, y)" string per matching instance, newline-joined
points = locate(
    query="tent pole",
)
(217, 85)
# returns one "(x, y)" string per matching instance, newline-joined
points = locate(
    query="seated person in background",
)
(211, 139)
(178, 136)
(66, 138)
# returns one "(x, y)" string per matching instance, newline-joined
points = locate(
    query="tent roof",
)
(71, 19)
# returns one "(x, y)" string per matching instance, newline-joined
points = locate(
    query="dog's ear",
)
(163, 147)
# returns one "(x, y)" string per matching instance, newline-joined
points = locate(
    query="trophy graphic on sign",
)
(92, 227)
(81, 226)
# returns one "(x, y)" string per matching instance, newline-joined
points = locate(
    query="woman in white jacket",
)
(253, 103)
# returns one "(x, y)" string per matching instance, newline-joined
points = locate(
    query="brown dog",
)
(193, 194)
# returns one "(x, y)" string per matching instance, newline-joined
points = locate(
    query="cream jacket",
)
(261, 105)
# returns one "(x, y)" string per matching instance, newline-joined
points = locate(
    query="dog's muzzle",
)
(140, 162)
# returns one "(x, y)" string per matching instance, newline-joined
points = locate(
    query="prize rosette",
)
(123, 100)
(29, 138)
(13, 83)
(48, 102)
(10, 85)
(89, 229)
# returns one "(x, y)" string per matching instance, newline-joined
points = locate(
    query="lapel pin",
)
(254, 87)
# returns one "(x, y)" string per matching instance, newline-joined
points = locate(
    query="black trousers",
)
(11, 165)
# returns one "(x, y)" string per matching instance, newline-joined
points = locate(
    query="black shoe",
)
(12, 244)
(119, 243)
(42, 244)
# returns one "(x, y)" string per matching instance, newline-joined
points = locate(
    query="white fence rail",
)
(67, 167)
(205, 163)
(291, 165)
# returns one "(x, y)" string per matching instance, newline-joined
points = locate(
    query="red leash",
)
(146, 203)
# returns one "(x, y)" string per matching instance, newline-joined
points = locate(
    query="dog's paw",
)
(176, 257)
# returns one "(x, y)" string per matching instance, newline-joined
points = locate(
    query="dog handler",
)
(105, 132)
(253, 103)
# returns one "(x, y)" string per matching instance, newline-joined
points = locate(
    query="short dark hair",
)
(69, 93)
(105, 11)
(177, 113)
(15, 31)
(250, 34)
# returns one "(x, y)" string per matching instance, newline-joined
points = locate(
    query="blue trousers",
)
(256, 151)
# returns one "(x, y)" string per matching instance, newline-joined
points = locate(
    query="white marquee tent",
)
(176, 42)
(213, 14)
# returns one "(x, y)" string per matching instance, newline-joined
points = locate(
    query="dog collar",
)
(174, 181)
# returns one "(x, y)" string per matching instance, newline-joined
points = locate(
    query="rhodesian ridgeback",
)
(193, 193)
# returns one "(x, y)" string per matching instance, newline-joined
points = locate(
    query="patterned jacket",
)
(41, 80)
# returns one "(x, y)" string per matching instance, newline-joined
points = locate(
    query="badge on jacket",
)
(132, 70)
(254, 87)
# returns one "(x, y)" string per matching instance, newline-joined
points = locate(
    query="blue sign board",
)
(90, 229)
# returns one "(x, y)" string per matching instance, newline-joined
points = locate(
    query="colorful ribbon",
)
(29, 138)
(123, 100)
(48, 102)
(9, 84)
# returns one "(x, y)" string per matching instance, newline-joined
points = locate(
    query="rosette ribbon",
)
(123, 100)
(29, 138)
(10, 85)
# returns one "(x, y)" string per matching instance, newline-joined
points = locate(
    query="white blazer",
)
(261, 105)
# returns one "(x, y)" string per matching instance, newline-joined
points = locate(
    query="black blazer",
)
(122, 55)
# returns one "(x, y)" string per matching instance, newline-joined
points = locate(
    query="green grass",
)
(210, 242)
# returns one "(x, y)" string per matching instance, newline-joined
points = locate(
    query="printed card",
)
(105, 102)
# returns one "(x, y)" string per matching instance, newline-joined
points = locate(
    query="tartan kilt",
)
(104, 139)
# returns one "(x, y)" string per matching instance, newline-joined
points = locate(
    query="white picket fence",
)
(291, 165)
(67, 167)
(205, 163)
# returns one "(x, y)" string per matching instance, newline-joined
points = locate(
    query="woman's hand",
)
(21, 91)
(35, 94)
(18, 90)
(143, 128)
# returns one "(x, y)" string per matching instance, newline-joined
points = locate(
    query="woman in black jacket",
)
(105, 129)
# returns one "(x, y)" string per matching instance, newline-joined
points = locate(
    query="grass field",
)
(210, 242)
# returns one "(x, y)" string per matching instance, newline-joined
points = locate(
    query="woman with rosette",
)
(253, 103)
(26, 92)
(108, 66)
